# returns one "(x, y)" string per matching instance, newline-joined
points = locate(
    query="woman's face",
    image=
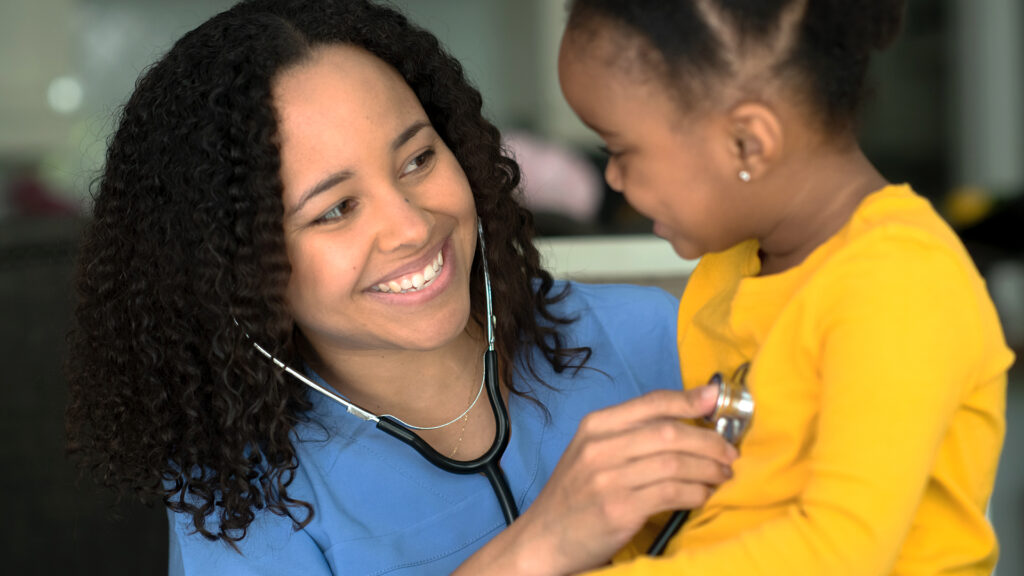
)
(673, 168)
(379, 219)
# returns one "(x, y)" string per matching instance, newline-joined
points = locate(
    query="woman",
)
(308, 180)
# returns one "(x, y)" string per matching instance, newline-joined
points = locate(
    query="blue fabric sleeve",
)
(640, 325)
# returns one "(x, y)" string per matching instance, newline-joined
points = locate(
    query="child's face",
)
(677, 170)
(373, 202)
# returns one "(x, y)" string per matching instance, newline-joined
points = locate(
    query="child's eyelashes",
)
(611, 154)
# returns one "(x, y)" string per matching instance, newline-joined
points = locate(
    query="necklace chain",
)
(465, 413)
(462, 432)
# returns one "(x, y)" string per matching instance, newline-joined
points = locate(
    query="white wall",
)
(987, 60)
(35, 48)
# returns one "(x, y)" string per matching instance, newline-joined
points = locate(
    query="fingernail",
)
(709, 393)
(727, 471)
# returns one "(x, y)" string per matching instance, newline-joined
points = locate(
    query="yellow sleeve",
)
(900, 338)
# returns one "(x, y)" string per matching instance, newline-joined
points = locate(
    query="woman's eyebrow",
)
(342, 175)
(408, 134)
(325, 184)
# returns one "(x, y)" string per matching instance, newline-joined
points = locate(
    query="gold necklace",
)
(462, 430)
(465, 413)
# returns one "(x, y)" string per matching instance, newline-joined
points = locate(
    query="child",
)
(869, 344)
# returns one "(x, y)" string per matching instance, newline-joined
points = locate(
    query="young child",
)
(865, 333)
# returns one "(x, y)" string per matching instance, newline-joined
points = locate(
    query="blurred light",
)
(64, 94)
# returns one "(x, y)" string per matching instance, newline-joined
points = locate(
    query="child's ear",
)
(757, 138)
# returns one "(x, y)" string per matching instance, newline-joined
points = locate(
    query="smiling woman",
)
(314, 177)
(402, 205)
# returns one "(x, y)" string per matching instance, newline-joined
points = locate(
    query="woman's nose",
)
(404, 223)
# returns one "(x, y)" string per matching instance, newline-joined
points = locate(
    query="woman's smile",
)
(418, 281)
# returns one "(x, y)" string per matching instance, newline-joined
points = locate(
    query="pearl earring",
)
(744, 175)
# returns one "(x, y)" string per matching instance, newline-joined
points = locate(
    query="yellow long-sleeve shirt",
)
(878, 368)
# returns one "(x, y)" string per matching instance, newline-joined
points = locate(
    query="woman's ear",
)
(757, 139)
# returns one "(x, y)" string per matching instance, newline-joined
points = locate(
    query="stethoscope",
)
(487, 464)
(731, 418)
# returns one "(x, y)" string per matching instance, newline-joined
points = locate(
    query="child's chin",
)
(686, 250)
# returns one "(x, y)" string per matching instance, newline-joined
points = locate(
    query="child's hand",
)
(625, 464)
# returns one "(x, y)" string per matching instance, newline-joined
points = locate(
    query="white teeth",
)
(415, 282)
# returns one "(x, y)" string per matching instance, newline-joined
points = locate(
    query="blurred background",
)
(947, 116)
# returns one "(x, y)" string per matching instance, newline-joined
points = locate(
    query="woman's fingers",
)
(667, 496)
(654, 437)
(665, 467)
(649, 424)
(681, 479)
(651, 406)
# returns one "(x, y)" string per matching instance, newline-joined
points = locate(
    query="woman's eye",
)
(419, 162)
(339, 210)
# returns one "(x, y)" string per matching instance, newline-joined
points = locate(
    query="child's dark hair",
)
(168, 398)
(819, 47)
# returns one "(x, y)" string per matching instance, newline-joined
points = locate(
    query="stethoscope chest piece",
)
(734, 410)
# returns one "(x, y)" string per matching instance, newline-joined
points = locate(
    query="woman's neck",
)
(817, 200)
(422, 388)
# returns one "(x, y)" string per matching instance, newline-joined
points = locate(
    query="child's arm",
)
(900, 343)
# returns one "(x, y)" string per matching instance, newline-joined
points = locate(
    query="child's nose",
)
(613, 175)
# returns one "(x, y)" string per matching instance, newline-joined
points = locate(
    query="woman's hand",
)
(625, 464)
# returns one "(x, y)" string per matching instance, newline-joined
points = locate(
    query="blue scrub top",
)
(380, 508)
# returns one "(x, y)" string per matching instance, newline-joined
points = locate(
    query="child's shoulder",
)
(896, 238)
(898, 221)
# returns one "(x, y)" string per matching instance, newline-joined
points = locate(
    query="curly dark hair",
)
(169, 400)
(822, 46)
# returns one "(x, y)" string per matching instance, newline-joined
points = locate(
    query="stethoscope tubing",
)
(675, 522)
(487, 463)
